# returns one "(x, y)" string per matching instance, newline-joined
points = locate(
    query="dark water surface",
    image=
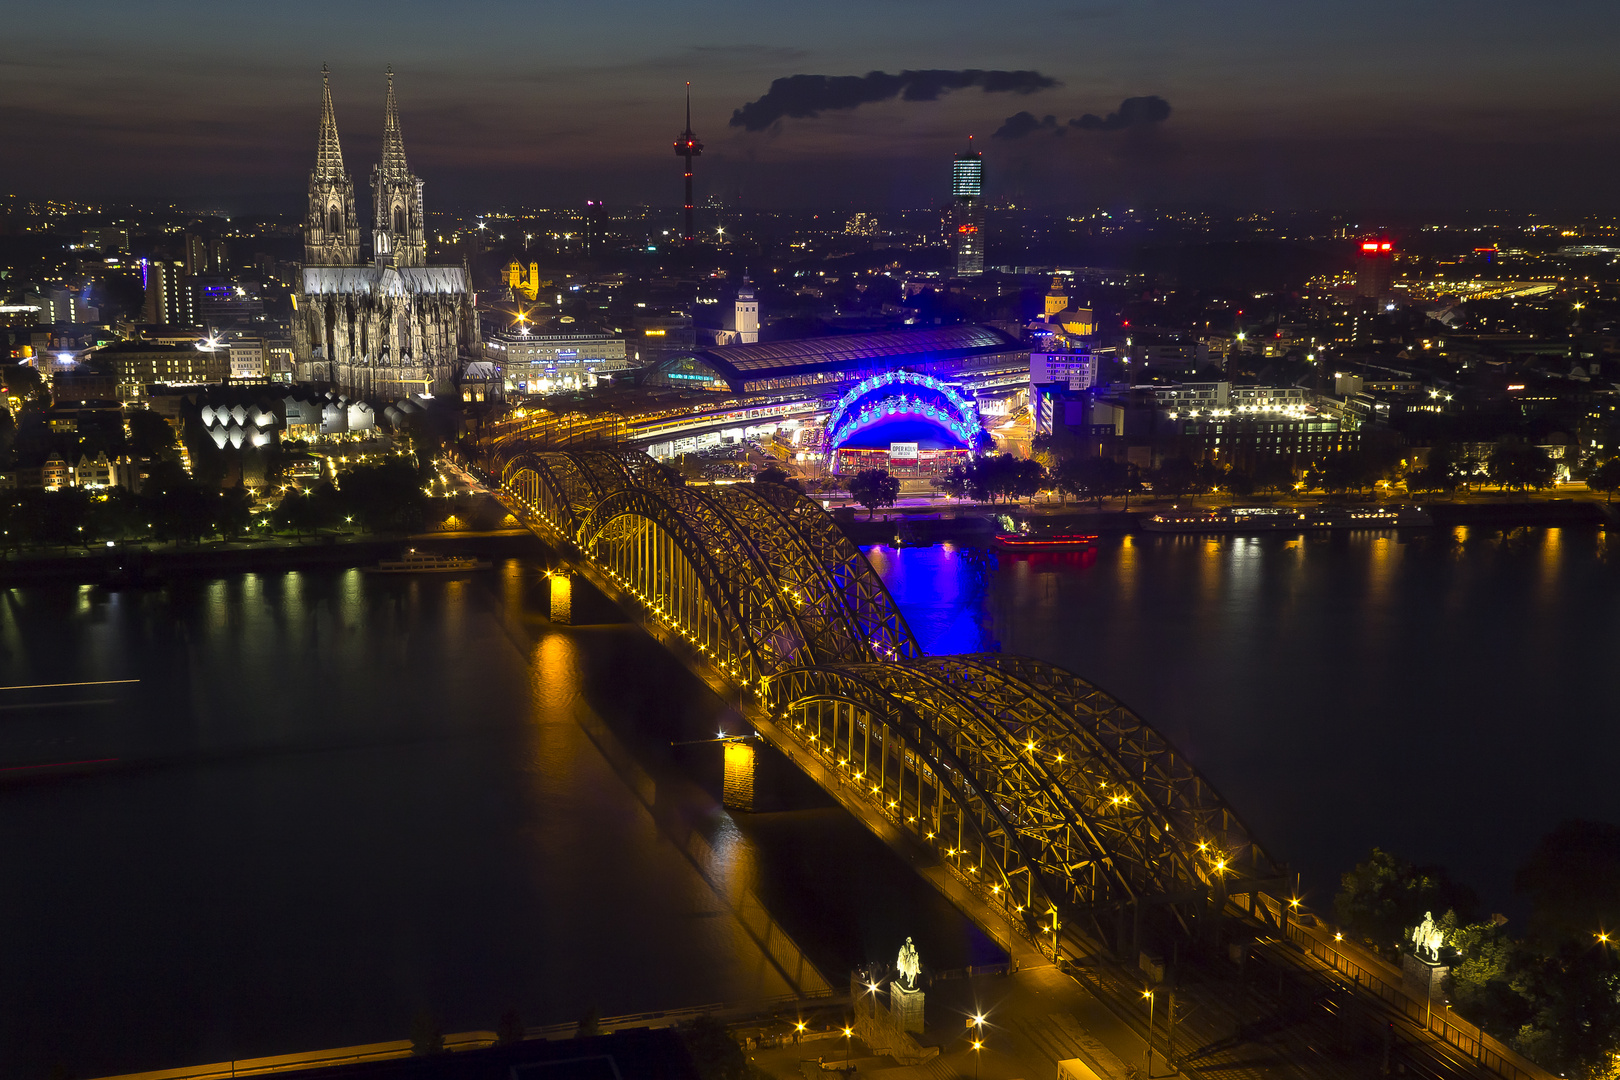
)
(334, 800)
(1448, 696)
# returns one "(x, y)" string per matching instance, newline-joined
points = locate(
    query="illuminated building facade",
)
(906, 422)
(168, 300)
(542, 363)
(139, 364)
(1375, 269)
(967, 188)
(524, 283)
(393, 327)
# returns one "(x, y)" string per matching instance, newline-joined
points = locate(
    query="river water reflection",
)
(1446, 696)
(330, 801)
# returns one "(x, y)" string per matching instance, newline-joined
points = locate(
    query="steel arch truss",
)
(1062, 798)
(1042, 791)
(768, 561)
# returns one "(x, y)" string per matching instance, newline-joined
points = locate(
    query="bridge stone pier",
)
(1049, 800)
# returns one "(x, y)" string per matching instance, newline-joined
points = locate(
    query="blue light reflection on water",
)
(1439, 695)
(938, 589)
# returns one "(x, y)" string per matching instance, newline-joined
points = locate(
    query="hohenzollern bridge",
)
(1043, 794)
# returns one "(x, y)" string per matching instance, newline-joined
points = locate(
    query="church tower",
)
(332, 233)
(745, 316)
(400, 237)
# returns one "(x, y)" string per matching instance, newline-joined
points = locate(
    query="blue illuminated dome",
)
(904, 407)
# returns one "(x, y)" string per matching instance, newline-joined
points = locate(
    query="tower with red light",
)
(967, 221)
(687, 146)
(1375, 268)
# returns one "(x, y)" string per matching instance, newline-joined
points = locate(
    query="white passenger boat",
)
(422, 562)
(1252, 519)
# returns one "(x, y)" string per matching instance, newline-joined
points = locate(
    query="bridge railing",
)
(1385, 981)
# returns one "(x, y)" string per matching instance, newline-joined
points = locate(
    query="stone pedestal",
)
(1423, 979)
(906, 1006)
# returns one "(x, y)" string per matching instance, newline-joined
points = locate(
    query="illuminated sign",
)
(967, 228)
(903, 451)
(1371, 246)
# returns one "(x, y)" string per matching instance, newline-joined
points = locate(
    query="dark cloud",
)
(1133, 112)
(802, 96)
(1021, 124)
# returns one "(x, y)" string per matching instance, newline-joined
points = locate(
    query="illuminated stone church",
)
(393, 326)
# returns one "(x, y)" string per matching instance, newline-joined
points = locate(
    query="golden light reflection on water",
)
(554, 677)
(1382, 563)
(1552, 564)
(1210, 567)
(1126, 567)
(558, 741)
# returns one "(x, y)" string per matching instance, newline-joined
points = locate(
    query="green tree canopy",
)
(873, 488)
(1518, 466)
(1385, 896)
(775, 474)
(1606, 478)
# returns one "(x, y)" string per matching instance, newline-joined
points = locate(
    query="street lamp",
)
(1149, 995)
(978, 1044)
(848, 1039)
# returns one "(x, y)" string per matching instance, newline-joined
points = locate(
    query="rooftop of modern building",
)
(120, 348)
(552, 330)
(740, 364)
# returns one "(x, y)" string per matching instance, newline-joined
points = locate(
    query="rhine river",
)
(328, 802)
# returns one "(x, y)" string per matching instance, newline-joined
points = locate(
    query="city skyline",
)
(1371, 108)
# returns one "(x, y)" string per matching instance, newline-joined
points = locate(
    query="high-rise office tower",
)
(687, 146)
(168, 301)
(1375, 269)
(196, 255)
(967, 187)
(593, 226)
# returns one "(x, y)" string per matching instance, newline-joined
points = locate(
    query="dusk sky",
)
(1388, 103)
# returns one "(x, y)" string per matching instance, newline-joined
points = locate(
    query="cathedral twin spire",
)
(332, 235)
(329, 156)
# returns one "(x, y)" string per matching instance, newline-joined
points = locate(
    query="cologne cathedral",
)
(391, 327)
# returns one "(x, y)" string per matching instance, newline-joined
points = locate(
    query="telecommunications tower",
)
(687, 146)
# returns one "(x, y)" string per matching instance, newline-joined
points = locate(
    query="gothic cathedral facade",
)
(392, 327)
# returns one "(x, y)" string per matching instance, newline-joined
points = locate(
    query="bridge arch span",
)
(1078, 809)
(1045, 794)
(649, 546)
